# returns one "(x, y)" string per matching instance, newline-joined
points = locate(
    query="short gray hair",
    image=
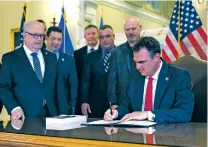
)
(30, 23)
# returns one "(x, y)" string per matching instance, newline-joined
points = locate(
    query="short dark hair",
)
(91, 26)
(106, 27)
(54, 29)
(150, 43)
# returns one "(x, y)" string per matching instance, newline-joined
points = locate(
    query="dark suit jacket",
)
(93, 84)
(67, 69)
(121, 65)
(174, 98)
(1, 105)
(79, 56)
(19, 85)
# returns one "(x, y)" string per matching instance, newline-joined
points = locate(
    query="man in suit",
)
(66, 65)
(158, 91)
(122, 62)
(91, 37)
(93, 82)
(28, 79)
(1, 105)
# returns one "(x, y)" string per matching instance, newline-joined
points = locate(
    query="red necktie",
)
(148, 97)
(149, 138)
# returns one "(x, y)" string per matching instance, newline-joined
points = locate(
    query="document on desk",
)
(130, 123)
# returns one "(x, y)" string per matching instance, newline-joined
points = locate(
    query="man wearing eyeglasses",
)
(93, 81)
(29, 80)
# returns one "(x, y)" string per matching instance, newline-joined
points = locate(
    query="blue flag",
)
(66, 46)
(22, 24)
(101, 19)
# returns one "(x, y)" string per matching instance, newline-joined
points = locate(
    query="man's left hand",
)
(137, 115)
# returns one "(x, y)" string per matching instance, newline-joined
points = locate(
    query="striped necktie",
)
(106, 60)
(37, 67)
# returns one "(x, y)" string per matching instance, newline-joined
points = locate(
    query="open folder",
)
(130, 123)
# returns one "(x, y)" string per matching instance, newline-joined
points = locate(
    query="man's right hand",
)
(17, 114)
(86, 109)
(108, 116)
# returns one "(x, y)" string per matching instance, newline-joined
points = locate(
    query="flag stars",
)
(185, 31)
(186, 19)
(192, 10)
(187, 8)
(173, 22)
(192, 21)
(182, 7)
(192, 15)
(185, 25)
(197, 22)
(191, 27)
(187, 14)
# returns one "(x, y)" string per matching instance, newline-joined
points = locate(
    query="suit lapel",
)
(162, 82)
(25, 63)
(127, 56)
(139, 89)
(45, 57)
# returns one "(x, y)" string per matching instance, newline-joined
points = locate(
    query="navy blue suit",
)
(1, 105)
(94, 83)
(174, 97)
(67, 69)
(19, 85)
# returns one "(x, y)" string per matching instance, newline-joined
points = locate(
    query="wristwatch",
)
(151, 116)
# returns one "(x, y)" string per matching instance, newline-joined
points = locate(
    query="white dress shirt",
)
(40, 57)
(154, 85)
(89, 47)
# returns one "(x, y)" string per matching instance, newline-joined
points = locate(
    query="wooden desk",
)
(32, 133)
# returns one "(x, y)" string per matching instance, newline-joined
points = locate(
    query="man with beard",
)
(66, 66)
(122, 63)
(93, 82)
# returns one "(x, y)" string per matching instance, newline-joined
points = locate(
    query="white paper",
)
(118, 122)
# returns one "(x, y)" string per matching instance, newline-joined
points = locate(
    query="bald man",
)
(122, 63)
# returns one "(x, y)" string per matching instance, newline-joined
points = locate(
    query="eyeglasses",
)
(35, 36)
(103, 37)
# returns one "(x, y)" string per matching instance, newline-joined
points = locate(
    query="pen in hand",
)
(111, 111)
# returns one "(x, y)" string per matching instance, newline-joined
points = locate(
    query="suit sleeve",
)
(73, 82)
(112, 80)
(6, 95)
(62, 100)
(184, 102)
(85, 82)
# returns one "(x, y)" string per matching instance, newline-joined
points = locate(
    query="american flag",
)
(193, 37)
(22, 24)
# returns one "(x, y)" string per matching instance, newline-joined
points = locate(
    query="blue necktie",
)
(37, 67)
(106, 60)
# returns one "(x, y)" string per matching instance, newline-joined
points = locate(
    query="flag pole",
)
(179, 29)
(64, 27)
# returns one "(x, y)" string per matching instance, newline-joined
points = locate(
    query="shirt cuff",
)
(151, 116)
(15, 109)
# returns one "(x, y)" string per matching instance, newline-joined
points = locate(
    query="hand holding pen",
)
(110, 114)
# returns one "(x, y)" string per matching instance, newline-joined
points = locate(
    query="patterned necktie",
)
(106, 60)
(37, 67)
(91, 50)
(148, 97)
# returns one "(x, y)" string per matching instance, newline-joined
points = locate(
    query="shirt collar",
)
(156, 75)
(29, 52)
(56, 52)
(95, 47)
